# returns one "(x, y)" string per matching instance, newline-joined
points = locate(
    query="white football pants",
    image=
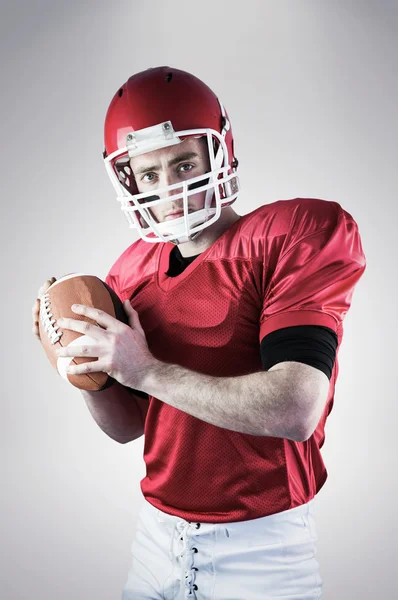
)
(261, 559)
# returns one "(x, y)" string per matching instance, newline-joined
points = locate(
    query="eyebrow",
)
(173, 161)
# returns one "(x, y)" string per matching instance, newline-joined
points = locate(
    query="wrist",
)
(149, 377)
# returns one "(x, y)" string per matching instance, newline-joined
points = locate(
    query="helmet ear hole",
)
(125, 175)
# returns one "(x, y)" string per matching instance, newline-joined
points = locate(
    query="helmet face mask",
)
(201, 196)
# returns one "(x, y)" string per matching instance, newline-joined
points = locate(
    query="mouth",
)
(174, 215)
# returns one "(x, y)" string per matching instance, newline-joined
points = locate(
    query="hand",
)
(121, 349)
(36, 306)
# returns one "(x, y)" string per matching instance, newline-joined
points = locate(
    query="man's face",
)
(167, 166)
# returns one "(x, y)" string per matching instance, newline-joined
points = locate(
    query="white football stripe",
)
(63, 362)
(65, 278)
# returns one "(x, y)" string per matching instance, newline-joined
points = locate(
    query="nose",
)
(167, 179)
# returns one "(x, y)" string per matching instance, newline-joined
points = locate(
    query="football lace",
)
(45, 318)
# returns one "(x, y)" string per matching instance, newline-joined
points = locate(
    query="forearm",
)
(117, 412)
(257, 404)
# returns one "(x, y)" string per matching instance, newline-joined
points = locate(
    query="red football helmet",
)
(154, 109)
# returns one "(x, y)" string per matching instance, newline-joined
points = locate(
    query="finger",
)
(96, 315)
(35, 317)
(94, 366)
(136, 319)
(82, 326)
(45, 286)
(132, 314)
(91, 351)
(36, 311)
(35, 331)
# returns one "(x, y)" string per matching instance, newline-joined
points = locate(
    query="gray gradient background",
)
(311, 89)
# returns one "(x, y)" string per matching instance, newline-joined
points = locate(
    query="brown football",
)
(76, 288)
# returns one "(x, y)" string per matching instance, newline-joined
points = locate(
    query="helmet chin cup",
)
(178, 229)
(181, 229)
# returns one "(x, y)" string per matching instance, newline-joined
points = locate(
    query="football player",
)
(229, 362)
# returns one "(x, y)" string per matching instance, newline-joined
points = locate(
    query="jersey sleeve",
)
(316, 273)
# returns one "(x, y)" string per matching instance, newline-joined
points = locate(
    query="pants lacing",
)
(185, 530)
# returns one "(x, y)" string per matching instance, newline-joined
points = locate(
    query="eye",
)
(183, 169)
(150, 175)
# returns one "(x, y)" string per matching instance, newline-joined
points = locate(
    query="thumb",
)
(130, 313)
(127, 307)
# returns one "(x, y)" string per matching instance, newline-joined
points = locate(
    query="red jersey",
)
(292, 262)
